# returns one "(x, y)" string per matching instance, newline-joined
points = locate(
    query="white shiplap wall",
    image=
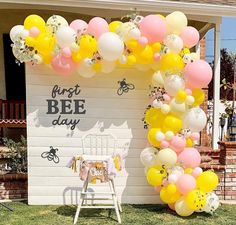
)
(107, 112)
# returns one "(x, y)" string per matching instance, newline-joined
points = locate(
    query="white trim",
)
(216, 108)
(142, 5)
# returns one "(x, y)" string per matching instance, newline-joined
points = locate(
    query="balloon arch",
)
(175, 119)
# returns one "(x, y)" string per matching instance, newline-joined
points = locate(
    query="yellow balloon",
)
(145, 56)
(152, 137)
(169, 198)
(97, 67)
(207, 181)
(188, 170)
(172, 123)
(161, 16)
(76, 56)
(199, 96)
(45, 43)
(156, 47)
(88, 45)
(114, 25)
(195, 199)
(184, 52)
(131, 60)
(172, 62)
(171, 189)
(34, 21)
(47, 57)
(30, 41)
(181, 96)
(154, 177)
(154, 117)
(133, 45)
(189, 142)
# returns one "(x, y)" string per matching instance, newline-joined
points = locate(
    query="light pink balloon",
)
(97, 26)
(186, 183)
(34, 32)
(153, 28)
(189, 157)
(190, 36)
(79, 26)
(157, 189)
(195, 136)
(165, 144)
(196, 171)
(165, 182)
(198, 74)
(143, 41)
(166, 97)
(157, 56)
(63, 65)
(188, 91)
(178, 143)
(66, 52)
(172, 206)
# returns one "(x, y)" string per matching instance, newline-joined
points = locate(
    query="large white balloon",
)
(176, 22)
(85, 70)
(173, 84)
(65, 36)
(182, 209)
(212, 203)
(195, 119)
(174, 43)
(148, 157)
(15, 31)
(167, 157)
(110, 46)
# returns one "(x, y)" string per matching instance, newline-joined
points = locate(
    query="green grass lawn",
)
(132, 214)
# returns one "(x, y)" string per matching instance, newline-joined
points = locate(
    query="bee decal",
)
(124, 87)
(51, 155)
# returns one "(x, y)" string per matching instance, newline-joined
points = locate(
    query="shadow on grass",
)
(69, 211)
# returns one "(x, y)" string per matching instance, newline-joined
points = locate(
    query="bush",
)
(17, 155)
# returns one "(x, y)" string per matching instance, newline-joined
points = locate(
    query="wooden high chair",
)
(98, 147)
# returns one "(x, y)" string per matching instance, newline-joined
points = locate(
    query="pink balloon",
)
(157, 56)
(143, 41)
(153, 27)
(186, 183)
(196, 171)
(190, 36)
(166, 97)
(63, 65)
(198, 74)
(189, 157)
(172, 206)
(165, 144)
(66, 52)
(34, 32)
(79, 26)
(178, 143)
(188, 91)
(195, 136)
(97, 26)
(164, 182)
(157, 189)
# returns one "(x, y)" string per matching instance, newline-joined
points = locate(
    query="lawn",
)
(133, 214)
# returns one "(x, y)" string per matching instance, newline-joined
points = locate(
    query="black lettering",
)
(52, 106)
(79, 105)
(65, 106)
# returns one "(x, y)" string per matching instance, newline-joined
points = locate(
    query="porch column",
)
(216, 112)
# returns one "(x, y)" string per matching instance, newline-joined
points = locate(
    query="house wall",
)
(106, 113)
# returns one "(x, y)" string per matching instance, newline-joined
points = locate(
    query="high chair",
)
(98, 148)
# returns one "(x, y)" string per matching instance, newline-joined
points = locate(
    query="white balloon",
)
(24, 34)
(173, 84)
(190, 100)
(38, 59)
(182, 209)
(174, 43)
(55, 22)
(148, 157)
(123, 59)
(165, 108)
(65, 36)
(74, 47)
(169, 135)
(85, 70)
(107, 66)
(158, 79)
(176, 170)
(15, 31)
(167, 157)
(177, 107)
(172, 178)
(212, 203)
(157, 104)
(195, 119)
(135, 33)
(160, 136)
(110, 46)
(125, 31)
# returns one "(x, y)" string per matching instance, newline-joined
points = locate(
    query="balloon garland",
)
(174, 119)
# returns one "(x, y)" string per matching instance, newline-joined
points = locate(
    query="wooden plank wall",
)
(106, 112)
